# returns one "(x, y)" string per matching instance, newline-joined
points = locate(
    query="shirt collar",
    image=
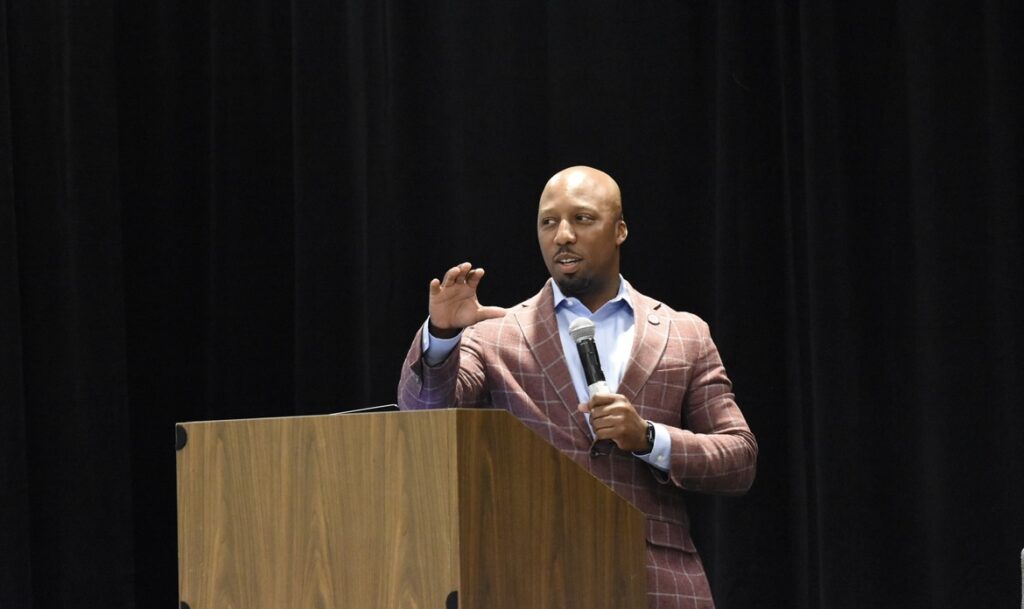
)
(623, 296)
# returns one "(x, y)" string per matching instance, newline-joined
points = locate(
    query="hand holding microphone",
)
(612, 416)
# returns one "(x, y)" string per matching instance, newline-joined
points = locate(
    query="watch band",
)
(650, 440)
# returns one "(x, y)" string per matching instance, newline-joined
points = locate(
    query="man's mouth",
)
(567, 262)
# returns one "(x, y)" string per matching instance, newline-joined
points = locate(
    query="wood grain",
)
(318, 512)
(398, 510)
(536, 529)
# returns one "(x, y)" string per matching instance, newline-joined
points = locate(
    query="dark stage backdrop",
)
(233, 209)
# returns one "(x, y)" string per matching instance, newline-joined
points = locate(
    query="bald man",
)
(669, 422)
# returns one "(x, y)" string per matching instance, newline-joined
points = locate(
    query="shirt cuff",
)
(661, 455)
(436, 350)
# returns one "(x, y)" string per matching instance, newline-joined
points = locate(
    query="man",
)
(670, 414)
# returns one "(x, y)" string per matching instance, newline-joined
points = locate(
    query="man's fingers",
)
(473, 277)
(604, 418)
(602, 399)
(456, 274)
(597, 401)
(450, 276)
(605, 405)
(435, 286)
(607, 433)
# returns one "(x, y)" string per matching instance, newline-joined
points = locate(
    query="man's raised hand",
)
(453, 301)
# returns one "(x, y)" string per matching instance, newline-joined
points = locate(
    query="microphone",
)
(582, 332)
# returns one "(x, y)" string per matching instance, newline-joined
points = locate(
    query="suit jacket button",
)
(653, 319)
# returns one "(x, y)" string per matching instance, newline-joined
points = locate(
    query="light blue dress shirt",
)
(613, 335)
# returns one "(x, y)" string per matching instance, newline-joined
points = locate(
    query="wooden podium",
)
(429, 509)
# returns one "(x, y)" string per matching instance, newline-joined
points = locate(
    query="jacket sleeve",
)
(458, 381)
(714, 451)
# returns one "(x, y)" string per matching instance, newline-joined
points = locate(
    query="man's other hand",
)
(453, 301)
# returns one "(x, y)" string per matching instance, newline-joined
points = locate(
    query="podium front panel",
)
(318, 512)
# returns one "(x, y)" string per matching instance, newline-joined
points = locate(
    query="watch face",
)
(649, 436)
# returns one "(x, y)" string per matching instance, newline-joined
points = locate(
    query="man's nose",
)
(564, 234)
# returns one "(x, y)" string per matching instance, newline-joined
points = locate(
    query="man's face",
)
(580, 229)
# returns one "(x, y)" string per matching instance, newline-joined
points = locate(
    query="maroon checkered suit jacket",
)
(674, 376)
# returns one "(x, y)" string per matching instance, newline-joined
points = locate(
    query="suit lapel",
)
(536, 318)
(649, 341)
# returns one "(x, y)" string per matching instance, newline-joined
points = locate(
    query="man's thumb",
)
(491, 313)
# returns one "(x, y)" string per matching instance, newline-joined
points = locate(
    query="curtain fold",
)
(15, 508)
(68, 294)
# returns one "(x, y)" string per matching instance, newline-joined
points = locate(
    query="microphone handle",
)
(603, 447)
(591, 361)
(595, 384)
(598, 387)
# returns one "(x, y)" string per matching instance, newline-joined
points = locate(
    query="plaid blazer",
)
(674, 376)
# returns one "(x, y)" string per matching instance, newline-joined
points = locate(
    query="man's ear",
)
(621, 232)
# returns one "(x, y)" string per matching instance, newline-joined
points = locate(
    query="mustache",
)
(566, 250)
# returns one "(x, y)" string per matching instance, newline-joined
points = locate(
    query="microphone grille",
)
(581, 329)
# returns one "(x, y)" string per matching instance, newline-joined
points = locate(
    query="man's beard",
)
(575, 287)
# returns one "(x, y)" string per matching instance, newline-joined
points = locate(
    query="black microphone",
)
(582, 332)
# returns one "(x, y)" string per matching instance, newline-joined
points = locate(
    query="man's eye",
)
(583, 218)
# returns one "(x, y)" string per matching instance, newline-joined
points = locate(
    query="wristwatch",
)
(650, 439)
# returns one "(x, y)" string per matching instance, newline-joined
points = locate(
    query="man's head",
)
(580, 228)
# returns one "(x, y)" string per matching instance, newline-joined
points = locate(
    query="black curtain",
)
(233, 210)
